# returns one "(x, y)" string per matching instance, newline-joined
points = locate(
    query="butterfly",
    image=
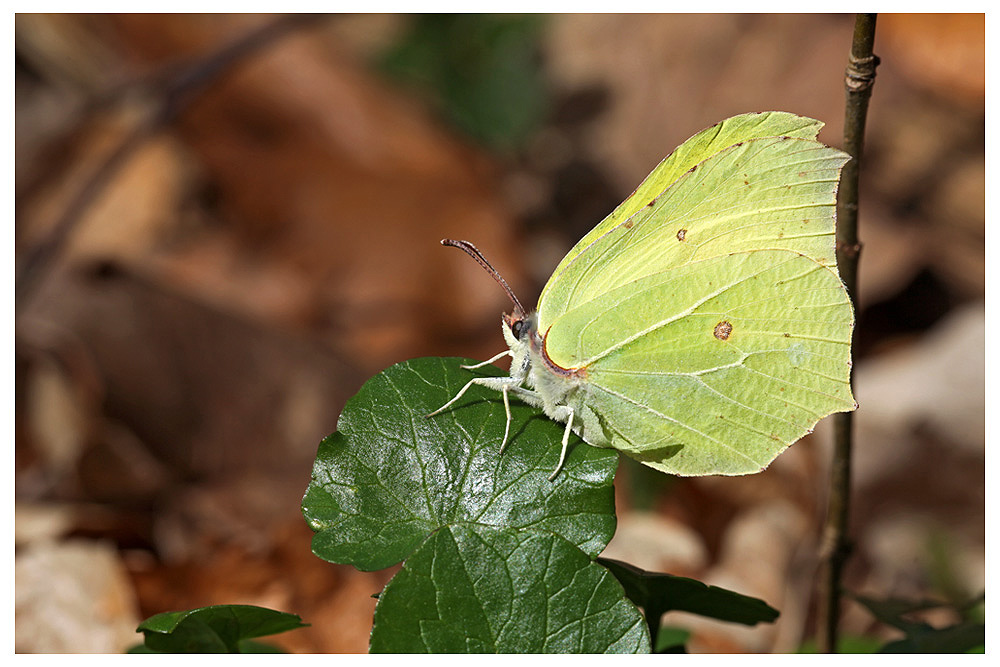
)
(701, 327)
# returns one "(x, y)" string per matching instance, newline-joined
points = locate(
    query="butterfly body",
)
(562, 393)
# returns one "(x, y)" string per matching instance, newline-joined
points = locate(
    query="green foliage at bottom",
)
(228, 628)
(496, 556)
(966, 636)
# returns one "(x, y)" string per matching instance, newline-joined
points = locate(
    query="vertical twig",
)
(836, 545)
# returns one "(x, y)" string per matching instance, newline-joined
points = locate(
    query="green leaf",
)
(216, 629)
(891, 611)
(964, 637)
(476, 589)
(253, 646)
(671, 640)
(960, 638)
(390, 476)
(659, 593)
(140, 649)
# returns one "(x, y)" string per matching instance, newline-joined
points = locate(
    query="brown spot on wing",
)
(723, 330)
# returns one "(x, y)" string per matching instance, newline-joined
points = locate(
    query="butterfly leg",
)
(506, 407)
(505, 386)
(565, 440)
(526, 395)
(505, 353)
(493, 383)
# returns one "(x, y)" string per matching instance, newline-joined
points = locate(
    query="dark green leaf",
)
(390, 475)
(140, 648)
(254, 646)
(921, 637)
(671, 640)
(891, 611)
(961, 638)
(659, 593)
(216, 629)
(476, 589)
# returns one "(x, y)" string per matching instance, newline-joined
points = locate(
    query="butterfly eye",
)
(517, 327)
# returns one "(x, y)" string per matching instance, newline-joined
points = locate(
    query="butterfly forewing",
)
(693, 151)
(770, 193)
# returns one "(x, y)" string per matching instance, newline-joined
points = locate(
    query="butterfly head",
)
(520, 329)
(520, 324)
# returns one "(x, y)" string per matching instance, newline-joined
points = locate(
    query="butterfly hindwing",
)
(729, 360)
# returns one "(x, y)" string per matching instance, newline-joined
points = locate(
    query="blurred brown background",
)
(234, 238)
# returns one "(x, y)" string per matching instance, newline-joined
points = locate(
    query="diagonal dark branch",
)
(178, 93)
(836, 542)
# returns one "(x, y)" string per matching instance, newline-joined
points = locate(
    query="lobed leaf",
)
(480, 589)
(390, 475)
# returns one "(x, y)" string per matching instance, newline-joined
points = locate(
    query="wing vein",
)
(679, 423)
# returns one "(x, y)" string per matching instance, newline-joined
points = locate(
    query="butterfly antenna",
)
(473, 252)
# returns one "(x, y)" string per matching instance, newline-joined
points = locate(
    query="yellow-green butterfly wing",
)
(692, 152)
(704, 322)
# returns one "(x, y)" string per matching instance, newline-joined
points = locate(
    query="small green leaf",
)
(659, 593)
(254, 646)
(476, 589)
(216, 629)
(891, 611)
(964, 637)
(390, 475)
(671, 640)
(140, 648)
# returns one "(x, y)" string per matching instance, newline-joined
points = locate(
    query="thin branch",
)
(179, 92)
(836, 543)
